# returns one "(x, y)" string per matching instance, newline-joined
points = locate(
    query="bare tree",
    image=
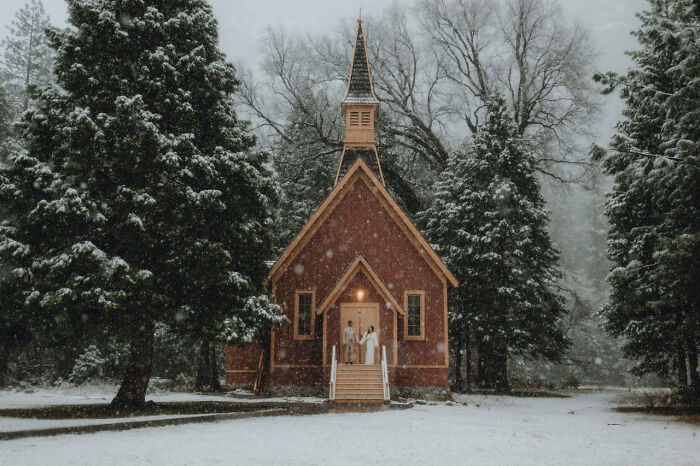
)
(434, 71)
(296, 103)
(527, 49)
(293, 89)
(407, 79)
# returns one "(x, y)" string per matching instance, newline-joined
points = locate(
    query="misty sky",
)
(243, 22)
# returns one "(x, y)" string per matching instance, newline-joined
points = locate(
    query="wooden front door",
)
(362, 315)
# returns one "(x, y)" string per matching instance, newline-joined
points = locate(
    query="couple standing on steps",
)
(350, 338)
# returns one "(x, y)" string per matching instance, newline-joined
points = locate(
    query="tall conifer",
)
(654, 241)
(141, 198)
(489, 224)
(27, 54)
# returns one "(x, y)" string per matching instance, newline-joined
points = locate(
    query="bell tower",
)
(359, 108)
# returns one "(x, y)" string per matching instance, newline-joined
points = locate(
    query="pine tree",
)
(306, 172)
(140, 199)
(653, 209)
(488, 223)
(13, 330)
(6, 116)
(28, 56)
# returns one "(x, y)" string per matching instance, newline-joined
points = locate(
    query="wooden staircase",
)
(357, 383)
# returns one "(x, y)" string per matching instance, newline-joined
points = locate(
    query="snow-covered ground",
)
(101, 393)
(490, 430)
(86, 394)
(12, 424)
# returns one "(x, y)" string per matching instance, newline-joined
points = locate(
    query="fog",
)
(242, 22)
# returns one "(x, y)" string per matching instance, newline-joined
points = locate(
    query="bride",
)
(372, 342)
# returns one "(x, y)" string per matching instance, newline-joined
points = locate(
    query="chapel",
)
(358, 258)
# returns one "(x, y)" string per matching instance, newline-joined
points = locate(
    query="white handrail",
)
(331, 388)
(385, 375)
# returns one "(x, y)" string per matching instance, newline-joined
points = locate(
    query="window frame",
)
(312, 335)
(406, 294)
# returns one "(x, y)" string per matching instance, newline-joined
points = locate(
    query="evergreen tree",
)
(140, 199)
(12, 330)
(306, 172)
(488, 223)
(653, 209)
(5, 115)
(27, 56)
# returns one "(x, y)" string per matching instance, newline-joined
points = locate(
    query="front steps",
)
(356, 383)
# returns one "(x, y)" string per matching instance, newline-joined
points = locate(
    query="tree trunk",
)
(493, 367)
(458, 363)
(692, 353)
(4, 366)
(472, 360)
(501, 372)
(680, 362)
(132, 392)
(207, 373)
(483, 378)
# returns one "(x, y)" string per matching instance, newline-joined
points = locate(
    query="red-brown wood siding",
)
(239, 359)
(360, 224)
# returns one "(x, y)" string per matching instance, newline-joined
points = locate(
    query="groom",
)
(349, 339)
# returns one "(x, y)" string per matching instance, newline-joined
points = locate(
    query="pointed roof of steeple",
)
(360, 89)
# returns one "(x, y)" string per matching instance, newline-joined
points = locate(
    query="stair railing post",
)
(331, 389)
(385, 375)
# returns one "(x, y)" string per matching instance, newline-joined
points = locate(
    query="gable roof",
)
(360, 88)
(359, 265)
(360, 171)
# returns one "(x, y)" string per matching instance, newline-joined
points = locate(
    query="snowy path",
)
(579, 430)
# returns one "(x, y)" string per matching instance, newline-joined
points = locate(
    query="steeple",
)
(360, 107)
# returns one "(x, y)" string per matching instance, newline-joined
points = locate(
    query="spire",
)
(360, 107)
(360, 89)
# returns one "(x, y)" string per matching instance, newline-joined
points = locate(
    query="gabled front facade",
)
(358, 258)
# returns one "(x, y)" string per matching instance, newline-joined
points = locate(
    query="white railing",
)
(331, 388)
(385, 376)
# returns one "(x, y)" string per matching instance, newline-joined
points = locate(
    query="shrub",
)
(571, 382)
(88, 366)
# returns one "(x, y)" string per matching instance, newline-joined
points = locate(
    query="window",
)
(304, 315)
(354, 118)
(414, 321)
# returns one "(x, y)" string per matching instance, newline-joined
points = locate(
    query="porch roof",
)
(359, 265)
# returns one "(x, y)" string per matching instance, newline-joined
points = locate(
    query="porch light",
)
(360, 294)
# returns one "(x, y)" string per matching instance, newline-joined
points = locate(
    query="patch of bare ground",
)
(519, 393)
(660, 401)
(105, 411)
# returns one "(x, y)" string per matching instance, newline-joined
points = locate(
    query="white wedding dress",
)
(372, 342)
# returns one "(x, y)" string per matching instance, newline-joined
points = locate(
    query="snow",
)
(11, 424)
(489, 430)
(103, 393)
